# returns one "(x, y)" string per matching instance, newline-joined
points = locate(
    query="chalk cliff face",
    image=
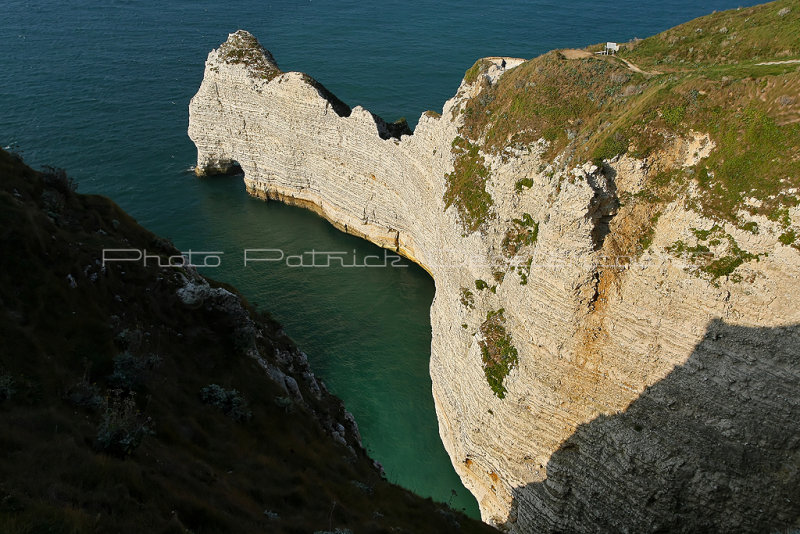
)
(559, 369)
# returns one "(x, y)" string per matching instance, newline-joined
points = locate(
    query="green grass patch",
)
(723, 266)
(755, 157)
(546, 97)
(596, 108)
(480, 66)
(673, 115)
(703, 235)
(755, 34)
(523, 183)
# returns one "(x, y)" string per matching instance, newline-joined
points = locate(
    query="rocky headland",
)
(616, 339)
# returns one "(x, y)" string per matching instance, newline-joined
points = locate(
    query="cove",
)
(366, 331)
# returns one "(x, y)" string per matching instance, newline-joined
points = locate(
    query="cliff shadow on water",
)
(713, 447)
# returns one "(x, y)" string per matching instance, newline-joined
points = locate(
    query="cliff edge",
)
(615, 253)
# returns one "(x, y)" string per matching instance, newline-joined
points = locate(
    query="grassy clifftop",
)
(702, 77)
(125, 408)
(768, 32)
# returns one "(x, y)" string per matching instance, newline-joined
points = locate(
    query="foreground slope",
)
(143, 399)
(595, 229)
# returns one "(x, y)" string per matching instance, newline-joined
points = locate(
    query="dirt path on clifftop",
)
(787, 62)
(634, 68)
(573, 53)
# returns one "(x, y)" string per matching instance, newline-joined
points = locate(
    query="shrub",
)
(526, 183)
(750, 226)
(244, 337)
(721, 264)
(230, 401)
(123, 427)
(130, 371)
(6, 387)
(524, 272)
(673, 115)
(53, 202)
(84, 394)
(467, 298)
(525, 232)
(614, 145)
(58, 180)
(787, 238)
(646, 239)
(284, 402)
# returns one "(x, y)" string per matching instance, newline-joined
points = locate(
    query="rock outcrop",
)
(546, 332)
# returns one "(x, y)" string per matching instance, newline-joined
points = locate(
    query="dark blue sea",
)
(102, 89)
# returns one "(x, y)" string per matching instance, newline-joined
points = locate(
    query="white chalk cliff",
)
(642, 397)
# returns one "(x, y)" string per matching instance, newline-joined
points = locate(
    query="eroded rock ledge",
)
(637, 397)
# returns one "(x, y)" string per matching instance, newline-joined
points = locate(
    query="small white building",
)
(611, 48)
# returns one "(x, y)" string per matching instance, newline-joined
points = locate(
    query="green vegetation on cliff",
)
(243, 48)
(716, 253)
(547, 97)
(497, 350)
(480, 66)
(524, 232)
(699, 78)
(466, 186)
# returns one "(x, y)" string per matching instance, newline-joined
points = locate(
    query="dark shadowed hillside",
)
(143, 399)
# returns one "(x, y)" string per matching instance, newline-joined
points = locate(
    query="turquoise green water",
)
(367, 334)
(102, 89)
